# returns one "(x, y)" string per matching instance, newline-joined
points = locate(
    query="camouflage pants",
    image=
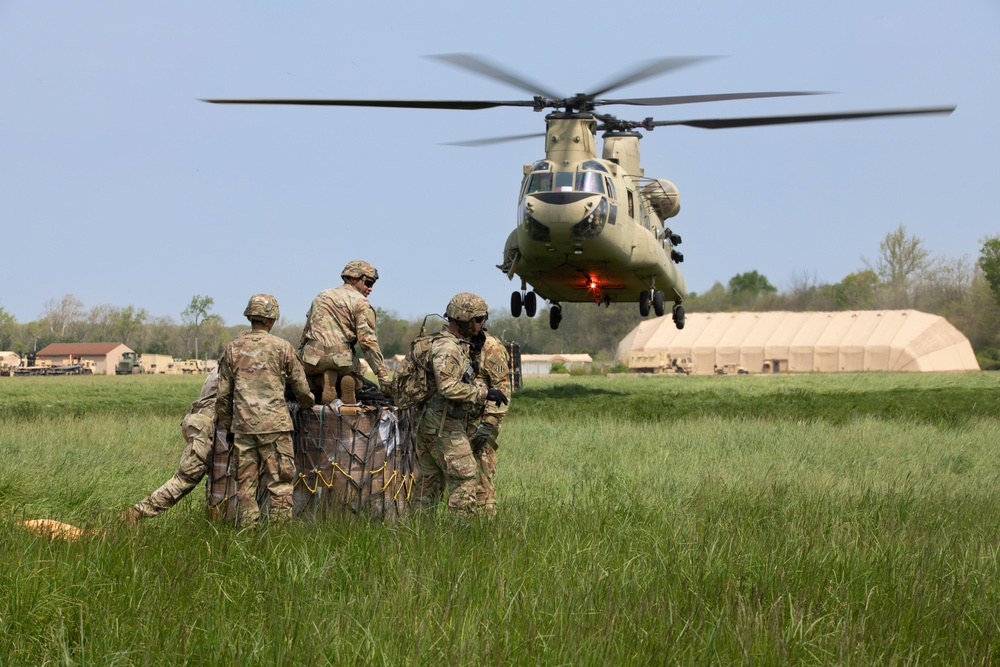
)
(445, 463)
(199, 432)
(486, 458)
(268, 457)
(486, 493)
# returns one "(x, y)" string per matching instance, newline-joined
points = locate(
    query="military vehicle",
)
(592, 226)
(129, 364)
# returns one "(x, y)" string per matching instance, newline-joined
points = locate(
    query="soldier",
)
(492, 363)
(251, 407)
(444, 456)
(338, 319)
(198, 429)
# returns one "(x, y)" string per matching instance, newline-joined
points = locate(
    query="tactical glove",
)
(484, 433)
(496, 396)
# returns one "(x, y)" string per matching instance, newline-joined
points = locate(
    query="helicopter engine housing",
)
(663, 197)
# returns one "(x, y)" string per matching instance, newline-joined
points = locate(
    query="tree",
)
(7, 323)
(745, 288)
(127, 323)
(989, 262)
(194, 315)
(900, 261)
(60, 315)
(857, 291)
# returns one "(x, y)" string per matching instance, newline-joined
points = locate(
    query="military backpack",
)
(413, 383)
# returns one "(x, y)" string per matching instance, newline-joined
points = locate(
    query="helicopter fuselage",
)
(589, 228)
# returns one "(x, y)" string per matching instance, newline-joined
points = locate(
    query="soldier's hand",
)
(306, 403)
(497, 397)
(385, 385)
(481, 438)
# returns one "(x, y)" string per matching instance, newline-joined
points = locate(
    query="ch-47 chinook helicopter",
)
(593, 227)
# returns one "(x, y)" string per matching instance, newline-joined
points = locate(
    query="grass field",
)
(824, 519)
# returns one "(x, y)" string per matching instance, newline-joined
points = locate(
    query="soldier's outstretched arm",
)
(368, 340)
(296, 376)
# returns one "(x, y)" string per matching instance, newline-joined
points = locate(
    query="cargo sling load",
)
(349, 460)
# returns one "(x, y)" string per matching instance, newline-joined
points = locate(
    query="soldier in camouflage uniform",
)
(445, 462)
(492, 363)
(338, 319)
(198, 429)
(251, 407)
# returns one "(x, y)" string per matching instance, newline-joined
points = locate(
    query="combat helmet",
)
(465, 306)
(359, 269)
(261, 306)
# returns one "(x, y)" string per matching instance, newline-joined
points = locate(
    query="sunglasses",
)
(369, 282)
(480, 319)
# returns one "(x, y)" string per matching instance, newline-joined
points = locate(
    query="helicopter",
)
(593, 227)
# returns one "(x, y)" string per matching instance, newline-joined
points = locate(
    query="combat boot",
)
(329, 387)
(130, 516)
(347, 390)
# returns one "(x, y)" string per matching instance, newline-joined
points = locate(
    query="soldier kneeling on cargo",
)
(338, 319)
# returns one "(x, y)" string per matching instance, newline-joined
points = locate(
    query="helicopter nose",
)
(579, 215)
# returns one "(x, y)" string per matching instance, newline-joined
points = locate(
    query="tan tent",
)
(776, 342)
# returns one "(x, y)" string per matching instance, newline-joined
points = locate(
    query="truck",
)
(129, 364)
(8, 362)
(73, 365)
(731, 369)
(189, 366)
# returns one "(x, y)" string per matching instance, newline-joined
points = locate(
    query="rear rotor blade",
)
(724, 123)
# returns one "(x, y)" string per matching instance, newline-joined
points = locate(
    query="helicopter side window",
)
(611, 188)
(564, 181)
(539, 183)
(588, 181)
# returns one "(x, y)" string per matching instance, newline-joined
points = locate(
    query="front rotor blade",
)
(405, 104)
(696, 99)
(649, 69)
(495, 140)
(485, 68)
(724, 123)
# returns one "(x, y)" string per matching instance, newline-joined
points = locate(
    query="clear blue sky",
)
(117, 185)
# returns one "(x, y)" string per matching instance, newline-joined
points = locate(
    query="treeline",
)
(903, 274)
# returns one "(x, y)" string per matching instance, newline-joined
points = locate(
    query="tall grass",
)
(802, 520)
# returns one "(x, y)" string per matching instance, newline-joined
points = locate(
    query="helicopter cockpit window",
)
(590, 181)
(592, 165)
(541, 165)
(539, 183)
(564, 181)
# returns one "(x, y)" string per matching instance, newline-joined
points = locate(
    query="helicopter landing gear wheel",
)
(555, 315)
(515, 304)
(530, 304)
(644, 303)
(679, 316)
(658, 304)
